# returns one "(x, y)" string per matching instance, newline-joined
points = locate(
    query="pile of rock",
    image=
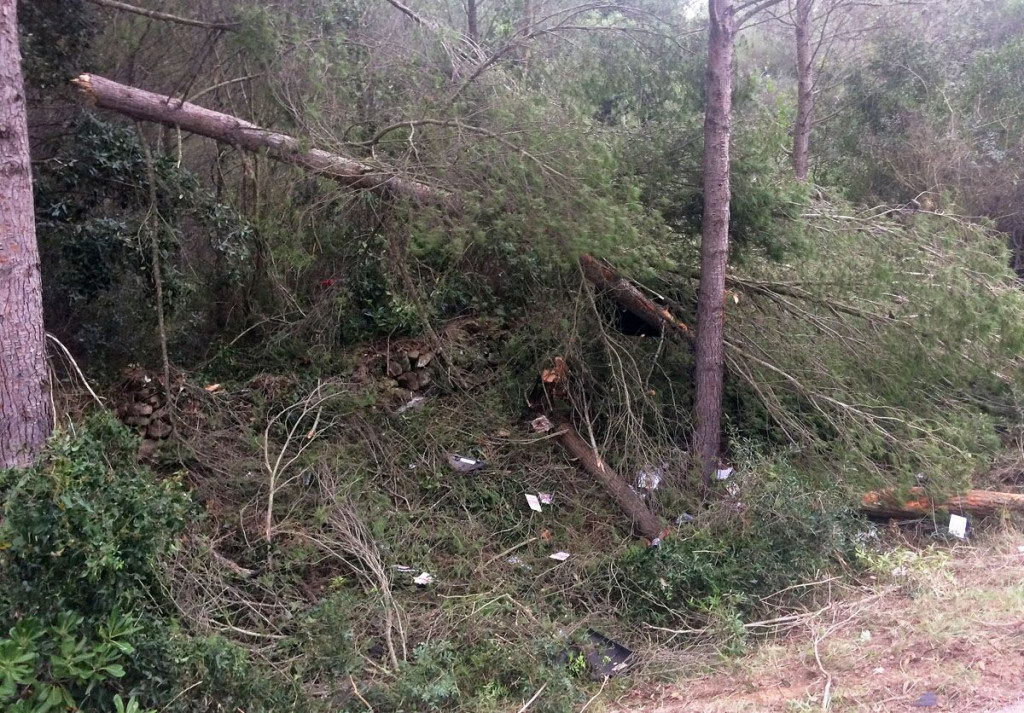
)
(410, 368)
(143, 406)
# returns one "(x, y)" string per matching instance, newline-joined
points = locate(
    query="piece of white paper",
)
(723, 473)
(958, 526)
(423, 579)
(545, 498)
(534, 502)
(560, 556)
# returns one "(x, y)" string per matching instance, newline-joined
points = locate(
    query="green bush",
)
(80, 539)
(776, 532)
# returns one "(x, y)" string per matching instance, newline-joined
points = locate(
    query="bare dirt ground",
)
(937, 629)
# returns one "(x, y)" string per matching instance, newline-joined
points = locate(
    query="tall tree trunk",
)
(25, 417)
(805, 89)
(526, 27)
(471, 22)
(714, 244)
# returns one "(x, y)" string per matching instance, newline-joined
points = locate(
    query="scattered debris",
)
(605, 658)
(212, 388)
(656, 542)
(560, 556)
(423, 579)
(927, 700)
(403, 568)
(541, 424)
(462, 464)
(958, 526)
(685, 517)
(414, 402)
(865, 635)
(533, 502)
(545, 498)
(517, 561)
(724, 473)
(649, 478)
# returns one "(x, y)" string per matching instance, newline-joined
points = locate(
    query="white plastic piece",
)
(958, 526)
(560, 556)
(533, 502)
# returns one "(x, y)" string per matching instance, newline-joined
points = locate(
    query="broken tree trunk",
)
(888, 503)
(645, 521)
(632, 299)
(147, 106)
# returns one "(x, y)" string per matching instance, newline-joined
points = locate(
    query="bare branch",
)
(227, 25)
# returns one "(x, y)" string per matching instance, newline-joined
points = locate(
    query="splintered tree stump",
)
(890, 503)
(645, 521)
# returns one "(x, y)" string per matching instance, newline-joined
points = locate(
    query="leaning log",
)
(170, 111)
(645, 521)
(632, 299)
(916, 503)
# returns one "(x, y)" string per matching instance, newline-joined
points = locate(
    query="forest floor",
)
(943, 631)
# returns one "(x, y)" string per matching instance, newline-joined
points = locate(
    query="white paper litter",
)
(534, 502)
(560, 556)
(403, 568)
(649, 478)
(958, 526)
(545, 498)
(423, 579)
(541, 424)
(724, 473)
(415, 402)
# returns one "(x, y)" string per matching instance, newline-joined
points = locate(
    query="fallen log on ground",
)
(170, 111)
(645, 521)
(632, 299)
(890, 503)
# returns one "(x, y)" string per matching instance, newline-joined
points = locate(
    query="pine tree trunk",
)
(25, 417)
(471, 22)
(147, 106)
(805, 90)
(714, 245)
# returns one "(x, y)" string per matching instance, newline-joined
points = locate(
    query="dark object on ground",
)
(605, 658)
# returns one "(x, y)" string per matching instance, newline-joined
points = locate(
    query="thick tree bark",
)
(714, 245)
(25, 417)
(626, 294)
(916, 503)
(147, 106)
(646, 522)
(805, 89)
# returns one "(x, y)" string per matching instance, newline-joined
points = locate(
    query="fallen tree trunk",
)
(888, 503)
(645, 521)
(626, 294)
(169, 111)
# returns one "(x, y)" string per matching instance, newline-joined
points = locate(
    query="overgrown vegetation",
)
(263, 557)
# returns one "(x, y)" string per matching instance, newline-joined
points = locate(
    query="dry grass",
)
(951, 623)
